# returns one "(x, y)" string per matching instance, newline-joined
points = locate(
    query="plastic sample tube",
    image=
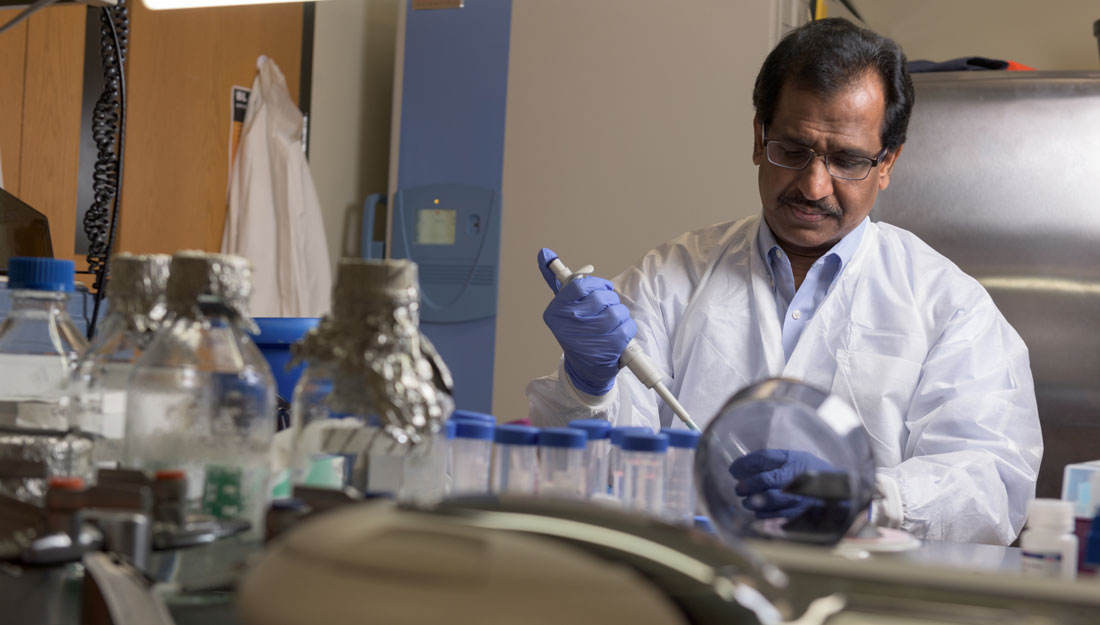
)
(595, 455)
(516, 463)
(561, 462)
(471, 454)
(644, 457)
(679, 475)
(614, 455)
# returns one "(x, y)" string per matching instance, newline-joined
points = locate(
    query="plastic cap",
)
(40, 274)
(468, 428)
(169, 475)
(66, 483)
(449, 429)
(1050, 513)
(1092, 542)
(645, 441)
(516, 435)
(595, 428)
(616, 434)
(568, 438)
(684, 439)
(477, 416)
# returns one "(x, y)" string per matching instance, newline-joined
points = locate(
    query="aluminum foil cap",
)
(372, 348)
(363, 286)
(137, 289)
(195, 275)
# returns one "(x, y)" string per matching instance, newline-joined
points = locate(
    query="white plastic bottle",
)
(1048, 546)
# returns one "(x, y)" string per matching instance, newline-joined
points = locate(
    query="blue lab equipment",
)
(452, 231)
(276, 336)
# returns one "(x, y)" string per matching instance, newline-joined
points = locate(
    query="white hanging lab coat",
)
(274, 216)
(938, 377)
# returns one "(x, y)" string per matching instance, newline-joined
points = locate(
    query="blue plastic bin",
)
(276, 336)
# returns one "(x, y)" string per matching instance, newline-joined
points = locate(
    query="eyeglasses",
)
(838, 164)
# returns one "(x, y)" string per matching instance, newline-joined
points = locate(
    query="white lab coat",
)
(938, 377)
(274, 216)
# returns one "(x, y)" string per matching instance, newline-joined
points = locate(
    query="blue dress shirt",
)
(796, 308)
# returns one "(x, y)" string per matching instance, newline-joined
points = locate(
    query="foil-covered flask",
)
(201, 398)
(95, 397)
(375, 393)
(39, 344)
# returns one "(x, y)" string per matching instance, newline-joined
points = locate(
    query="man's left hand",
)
(762, 475)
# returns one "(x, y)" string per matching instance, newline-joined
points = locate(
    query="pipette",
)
(632, 357)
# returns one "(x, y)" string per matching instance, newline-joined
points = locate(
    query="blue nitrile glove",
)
(763, 475)
(592, 326)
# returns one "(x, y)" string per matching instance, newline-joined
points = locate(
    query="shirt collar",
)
(843, 251)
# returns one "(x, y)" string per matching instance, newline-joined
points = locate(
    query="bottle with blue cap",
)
(471, 456)
(39, 345)
(96, 392)
(516, 464)
(561, 463)
(614, 456)
(680, 475)
(596, 454)
(644, 458)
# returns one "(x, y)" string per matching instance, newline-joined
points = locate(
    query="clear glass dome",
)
(784, 460)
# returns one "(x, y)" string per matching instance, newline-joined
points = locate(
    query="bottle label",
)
(32, 390)
(1041, 563)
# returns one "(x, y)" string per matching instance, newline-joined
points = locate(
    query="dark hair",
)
(828, 55)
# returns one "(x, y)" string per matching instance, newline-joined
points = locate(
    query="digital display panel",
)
(435, 226)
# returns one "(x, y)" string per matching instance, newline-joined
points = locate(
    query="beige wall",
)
(353, 55)
(1044, 35)
(629, 122)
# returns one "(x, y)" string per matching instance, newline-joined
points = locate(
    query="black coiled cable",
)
(109, 132)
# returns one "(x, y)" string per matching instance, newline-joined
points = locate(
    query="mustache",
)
(823, 206)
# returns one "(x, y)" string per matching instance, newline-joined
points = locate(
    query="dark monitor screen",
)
(23, 230)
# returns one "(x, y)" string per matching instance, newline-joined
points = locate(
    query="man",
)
(811, 289)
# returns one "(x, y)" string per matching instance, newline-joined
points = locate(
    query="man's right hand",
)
(591, 325)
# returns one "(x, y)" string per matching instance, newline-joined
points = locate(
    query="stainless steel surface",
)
(126, 533)
(938, 583)
(1001, 174)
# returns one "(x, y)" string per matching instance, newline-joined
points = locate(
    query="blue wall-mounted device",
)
(446, 207)
(452, 231)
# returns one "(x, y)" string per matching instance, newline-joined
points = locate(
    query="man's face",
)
(809, 210)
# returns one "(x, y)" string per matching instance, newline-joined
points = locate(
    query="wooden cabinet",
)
(181, 68)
